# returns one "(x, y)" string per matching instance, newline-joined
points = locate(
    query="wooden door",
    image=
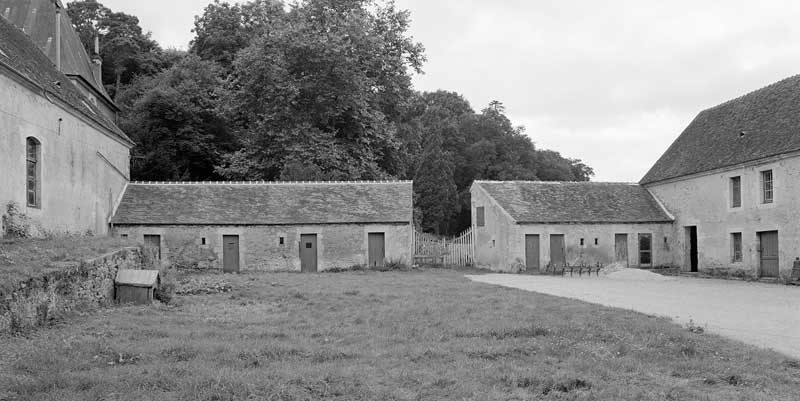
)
(230, 253)
(558, 255)
(768, 247)
(621, 248)
(153, 242)
(308, 253)
(532, 252)
(645, 250)
(376, 249)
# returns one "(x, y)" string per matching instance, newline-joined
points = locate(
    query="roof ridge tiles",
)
(270, 182)
(558, 182)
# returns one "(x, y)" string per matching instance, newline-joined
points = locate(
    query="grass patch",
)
(23, 258)
(418, 335)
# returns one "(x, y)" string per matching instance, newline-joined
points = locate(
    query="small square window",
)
(280, 241)
(123, 236)
(308, 245)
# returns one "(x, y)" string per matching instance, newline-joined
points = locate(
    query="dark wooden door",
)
(693, 251)
(308, 253)
(532, 252)
(230, 253)
(558, 255)
(768, 242)
(645, 250)
(153, 242)
(621, 248)
(376, 249)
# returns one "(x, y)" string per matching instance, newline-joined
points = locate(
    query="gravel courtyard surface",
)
(765, 315)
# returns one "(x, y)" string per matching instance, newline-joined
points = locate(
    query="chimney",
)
(97, 62)
(58, 37)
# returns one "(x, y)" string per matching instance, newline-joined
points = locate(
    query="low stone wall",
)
(79, 286)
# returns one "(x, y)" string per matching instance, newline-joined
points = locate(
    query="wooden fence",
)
(455, 251)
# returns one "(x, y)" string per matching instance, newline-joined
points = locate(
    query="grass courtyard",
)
(420, 335)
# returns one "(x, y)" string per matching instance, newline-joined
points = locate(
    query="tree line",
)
(313, 90)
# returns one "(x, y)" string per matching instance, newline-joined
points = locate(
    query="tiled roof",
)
(760, 124)
(37, 19)
(21, 55)
(262, 203)
(575, 202)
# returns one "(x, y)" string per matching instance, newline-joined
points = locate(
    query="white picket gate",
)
(455, 251)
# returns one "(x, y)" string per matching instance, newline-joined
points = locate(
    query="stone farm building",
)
(526, 225)
(309, 226)
(64, 162)
(724, 198)
(732, 181)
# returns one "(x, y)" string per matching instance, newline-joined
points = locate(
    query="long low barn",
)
(528, 225)
(306, 226)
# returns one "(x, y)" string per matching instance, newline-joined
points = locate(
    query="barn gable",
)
(755, 126)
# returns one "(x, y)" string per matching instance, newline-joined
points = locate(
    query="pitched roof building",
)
(730, 179)
(271, 226)
(536, 226)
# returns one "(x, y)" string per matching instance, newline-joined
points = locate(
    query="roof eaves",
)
(577, 222)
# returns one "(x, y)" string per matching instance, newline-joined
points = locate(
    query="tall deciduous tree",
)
(174, 121)
(436, 195)
(126, 51)
(224, 29)
(323, 86)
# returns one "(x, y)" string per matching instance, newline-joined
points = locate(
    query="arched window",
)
(33, 156)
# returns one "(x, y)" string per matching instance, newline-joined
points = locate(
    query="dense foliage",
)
(314, 90)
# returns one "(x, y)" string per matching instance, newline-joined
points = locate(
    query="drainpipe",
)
(58, 37)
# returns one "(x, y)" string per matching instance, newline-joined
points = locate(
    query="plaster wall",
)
(500, 243)
(492, 240)
(78, 188)
(603, 251)
(705, 202)
(260, 248)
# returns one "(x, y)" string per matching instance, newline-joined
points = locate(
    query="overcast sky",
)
(612, 83)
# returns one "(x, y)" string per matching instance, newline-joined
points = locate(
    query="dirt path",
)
(760, 314)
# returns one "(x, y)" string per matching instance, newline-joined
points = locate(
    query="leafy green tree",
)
(173, 118)
(224, 29)
(126, 51)
(436, 194)
(322, 86)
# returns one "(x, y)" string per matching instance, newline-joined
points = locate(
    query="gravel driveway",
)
(765, 315)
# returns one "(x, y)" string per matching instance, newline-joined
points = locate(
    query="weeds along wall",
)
(81, 286)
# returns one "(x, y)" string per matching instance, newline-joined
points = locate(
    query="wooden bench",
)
(584, 268)
(429, 260)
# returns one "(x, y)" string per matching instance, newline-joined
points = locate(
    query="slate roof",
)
(20, 54)
(137, 278)
(262, 203)
(37, 19)
(575, 202)
(760, 124)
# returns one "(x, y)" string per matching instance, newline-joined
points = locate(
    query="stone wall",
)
(79, 286)
(340, 246)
